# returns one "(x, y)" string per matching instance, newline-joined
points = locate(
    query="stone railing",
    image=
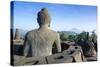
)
(72, 54)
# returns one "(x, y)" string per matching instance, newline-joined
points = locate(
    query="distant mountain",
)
(68, 32)
(23, 32)
(75, 30)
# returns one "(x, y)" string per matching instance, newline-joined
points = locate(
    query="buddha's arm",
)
(26, 46)
(58, 44)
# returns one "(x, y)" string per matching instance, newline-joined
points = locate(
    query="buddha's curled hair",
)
(43, 17)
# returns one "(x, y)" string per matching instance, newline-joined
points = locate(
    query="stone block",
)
(18, 60)
(30, 61)
(75, 48)
(91, 58)
(35, 61)
(59, 58)
(77, 55)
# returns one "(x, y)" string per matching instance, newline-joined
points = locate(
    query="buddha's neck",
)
(44, 27)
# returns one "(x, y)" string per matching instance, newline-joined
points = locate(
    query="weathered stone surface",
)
(72, 54)
(35, 61)
(91, 58)
(88, 48)
(75, 52)
(69, 43)
(39, 42)
(66, 44)
(18, 60)
(77, 56)
(91, 49)
(59, 58)
(21, 60)
(74, 48)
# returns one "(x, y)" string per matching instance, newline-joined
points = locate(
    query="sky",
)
(64, 17)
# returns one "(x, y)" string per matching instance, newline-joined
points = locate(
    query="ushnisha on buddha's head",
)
(43, 18)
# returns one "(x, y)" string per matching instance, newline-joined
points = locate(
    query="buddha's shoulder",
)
(54, 32)
(31, 32)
